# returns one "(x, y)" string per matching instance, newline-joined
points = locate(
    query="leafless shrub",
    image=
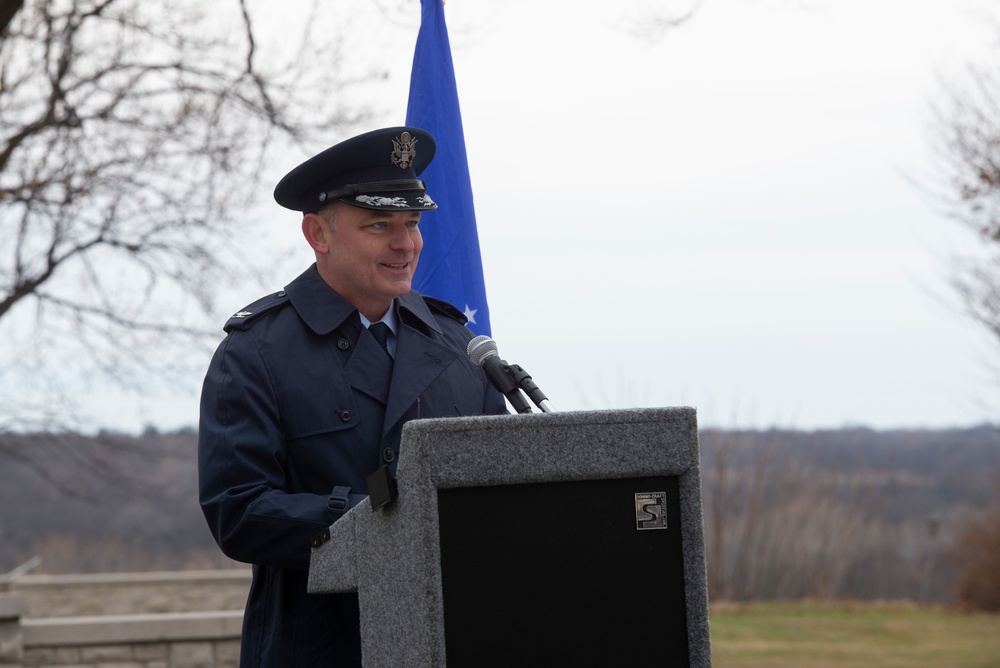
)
(978, 549)
(786, 520)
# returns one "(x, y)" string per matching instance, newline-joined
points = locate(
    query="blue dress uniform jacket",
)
(300, 404)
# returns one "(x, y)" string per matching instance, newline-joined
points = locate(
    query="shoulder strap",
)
(242, 318)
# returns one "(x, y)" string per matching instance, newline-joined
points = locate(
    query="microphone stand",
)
(523, 381)
(496, 370)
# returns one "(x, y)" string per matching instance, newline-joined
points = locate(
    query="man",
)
(302, 401)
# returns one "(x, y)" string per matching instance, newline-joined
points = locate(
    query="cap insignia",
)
(381, 201)
(403, 152)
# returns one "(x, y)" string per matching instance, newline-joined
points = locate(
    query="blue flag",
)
(450, 265)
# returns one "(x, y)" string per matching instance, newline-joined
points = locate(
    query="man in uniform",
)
(308, 393)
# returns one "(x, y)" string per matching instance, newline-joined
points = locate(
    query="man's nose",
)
(402, 239)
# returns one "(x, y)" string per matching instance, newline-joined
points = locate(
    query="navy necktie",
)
(380, 331)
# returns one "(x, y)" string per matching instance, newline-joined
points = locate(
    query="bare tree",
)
(8, 8)
(966, 133)
(967, 137)
(653, 21)
(132, 136)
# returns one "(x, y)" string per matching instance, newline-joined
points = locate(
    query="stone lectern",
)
(541, 539)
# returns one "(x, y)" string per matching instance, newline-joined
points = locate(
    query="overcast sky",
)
(725, 216)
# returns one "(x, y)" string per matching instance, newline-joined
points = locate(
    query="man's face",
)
(371, 255)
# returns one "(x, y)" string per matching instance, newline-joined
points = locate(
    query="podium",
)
(540, 539)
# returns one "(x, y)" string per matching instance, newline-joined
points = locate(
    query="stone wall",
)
(149, 620)
(128, 593)
(166, 640)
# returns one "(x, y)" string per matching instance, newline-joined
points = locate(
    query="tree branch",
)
(8, 9)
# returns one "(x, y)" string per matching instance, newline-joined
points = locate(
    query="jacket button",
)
(388, 454)
(343, 344)
(345, 415)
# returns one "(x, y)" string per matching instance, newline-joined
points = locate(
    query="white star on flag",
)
(470, 313)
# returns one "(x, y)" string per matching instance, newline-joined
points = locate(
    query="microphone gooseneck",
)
(509, 379)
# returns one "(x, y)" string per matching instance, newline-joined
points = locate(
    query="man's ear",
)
(316, 233)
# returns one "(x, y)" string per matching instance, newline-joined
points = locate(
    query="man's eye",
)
(379, 225)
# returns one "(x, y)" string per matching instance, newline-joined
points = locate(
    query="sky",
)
(732, 214)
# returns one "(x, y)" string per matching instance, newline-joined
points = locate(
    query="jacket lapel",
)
(419, 360)
(370, 370)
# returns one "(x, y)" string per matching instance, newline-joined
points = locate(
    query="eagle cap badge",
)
(403, 151)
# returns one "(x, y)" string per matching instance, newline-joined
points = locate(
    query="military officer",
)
(307, 394)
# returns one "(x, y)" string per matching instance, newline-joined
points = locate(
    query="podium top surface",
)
(535, 447)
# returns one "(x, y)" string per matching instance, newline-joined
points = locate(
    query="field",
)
(847, 635)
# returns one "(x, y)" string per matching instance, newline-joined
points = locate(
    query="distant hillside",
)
(108, 503)
(853, 512)
(910, 473)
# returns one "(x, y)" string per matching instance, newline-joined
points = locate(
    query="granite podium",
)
(539, 539)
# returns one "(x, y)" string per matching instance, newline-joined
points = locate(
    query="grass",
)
(851, 635)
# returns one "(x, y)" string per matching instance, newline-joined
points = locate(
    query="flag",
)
(450, 265)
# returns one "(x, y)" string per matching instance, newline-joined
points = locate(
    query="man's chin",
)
(399, 288)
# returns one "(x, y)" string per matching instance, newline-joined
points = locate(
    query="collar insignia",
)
(242, 314)
(403, 152)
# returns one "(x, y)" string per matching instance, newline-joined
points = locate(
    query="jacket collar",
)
(324, 310)
(414, 304)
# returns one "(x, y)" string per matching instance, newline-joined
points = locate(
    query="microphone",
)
(483, 351)
(507, 378)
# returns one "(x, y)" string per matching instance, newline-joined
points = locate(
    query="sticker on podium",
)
(650, 510)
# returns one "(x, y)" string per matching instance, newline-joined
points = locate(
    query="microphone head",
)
(480, 348)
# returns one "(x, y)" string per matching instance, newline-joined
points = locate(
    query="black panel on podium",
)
(560, 568)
